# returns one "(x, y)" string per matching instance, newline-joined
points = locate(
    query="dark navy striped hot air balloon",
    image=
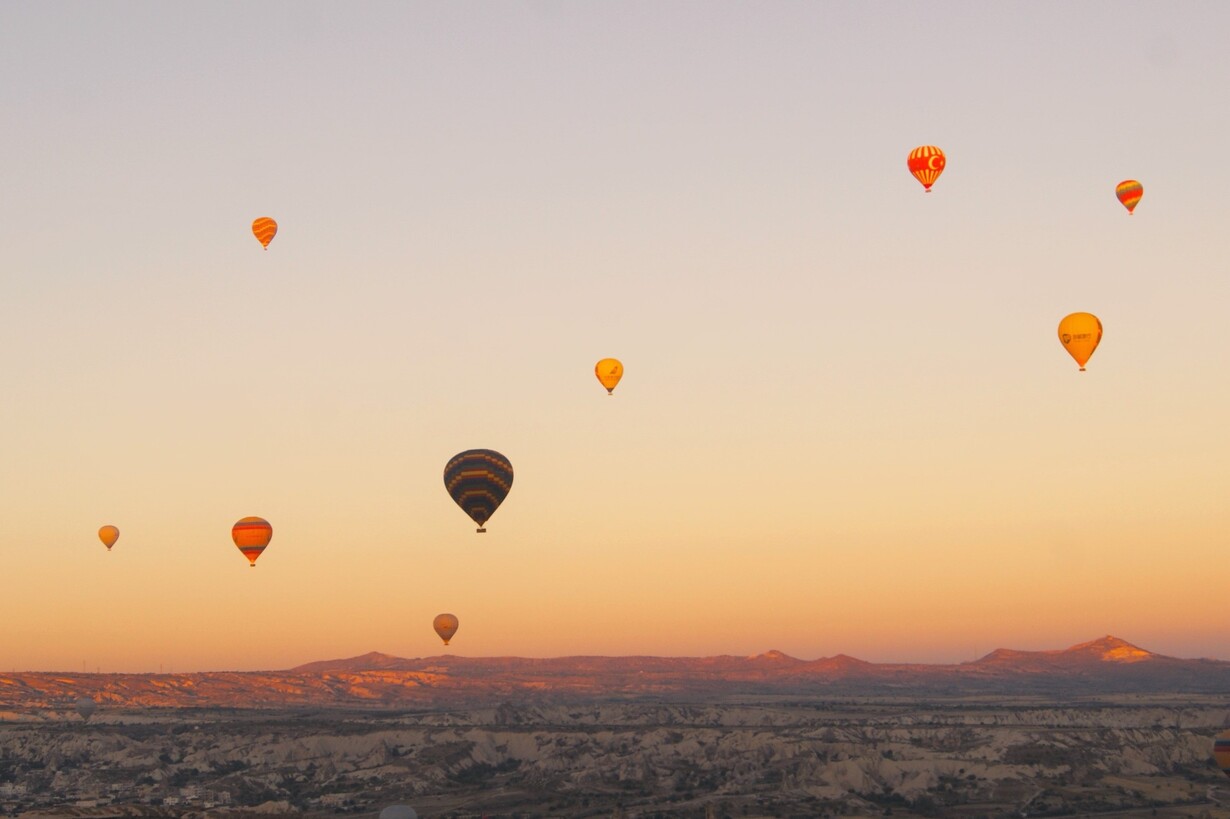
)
(478, 481)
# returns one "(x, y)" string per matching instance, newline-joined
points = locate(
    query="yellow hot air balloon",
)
(446, 626)
(252, 535)
(1080, 334)
(108, 535)
(264, 229)
(609, 371)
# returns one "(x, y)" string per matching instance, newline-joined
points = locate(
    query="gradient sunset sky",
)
(846, 423)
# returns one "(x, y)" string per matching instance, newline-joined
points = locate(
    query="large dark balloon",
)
(478, 481)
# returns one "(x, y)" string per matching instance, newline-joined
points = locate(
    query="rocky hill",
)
(1105, 666)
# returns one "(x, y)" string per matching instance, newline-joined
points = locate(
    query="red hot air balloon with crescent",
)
(264, 229)
(926, 162)
(252, 535)
(1129, 192)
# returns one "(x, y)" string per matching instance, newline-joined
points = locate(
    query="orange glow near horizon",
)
(844, 425)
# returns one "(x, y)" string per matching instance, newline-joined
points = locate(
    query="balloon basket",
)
(480, 530)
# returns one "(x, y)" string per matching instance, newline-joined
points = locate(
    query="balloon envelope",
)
(398, 812)
(264, 229)
(1129, 192)
(926, 162)
(609, 371)
(1221, 751)
(478, 481)
(108, 535)
(1080, 334)
(252, 535)
(446, 626)
(86, 707)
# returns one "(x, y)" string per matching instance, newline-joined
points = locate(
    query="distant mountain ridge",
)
(1103, 666)
(1104, 649)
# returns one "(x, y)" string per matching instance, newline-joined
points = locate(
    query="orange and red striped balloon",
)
(1129, 192)
(252, 535)
(264, 229)
(926, 162)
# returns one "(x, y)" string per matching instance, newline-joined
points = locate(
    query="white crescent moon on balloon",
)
(931, 162)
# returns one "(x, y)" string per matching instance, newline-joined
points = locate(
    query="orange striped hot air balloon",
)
(264, 229)
(1129, 192)
(926, 162)
(252, 535)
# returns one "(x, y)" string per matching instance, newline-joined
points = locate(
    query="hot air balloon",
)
(264, 229)
(1221, 751)
(478, 481)
(108, 535)
(85, 707)
(1129, 192)
(926, 162)
(252, 535)
(446, 626)
(398, 812)
(1080, 334)
(609, 371)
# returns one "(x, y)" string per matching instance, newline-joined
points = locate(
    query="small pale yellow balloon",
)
(108, 535)
(609, 371)
(446, 626)
(1080, 334)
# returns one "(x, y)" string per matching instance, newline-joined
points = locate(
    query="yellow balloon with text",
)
(1080, 334)
(609, 371)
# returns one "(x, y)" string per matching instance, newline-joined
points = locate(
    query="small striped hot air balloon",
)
(1129, 192)
(1221, 751)
(609, 371)
(478, 481)
(264, 229)
(926, 162)
(108, 535)
(252, 535)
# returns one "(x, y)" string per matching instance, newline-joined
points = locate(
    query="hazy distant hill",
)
(1108, 665)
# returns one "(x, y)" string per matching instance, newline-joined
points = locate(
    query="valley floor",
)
(1130, 755)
